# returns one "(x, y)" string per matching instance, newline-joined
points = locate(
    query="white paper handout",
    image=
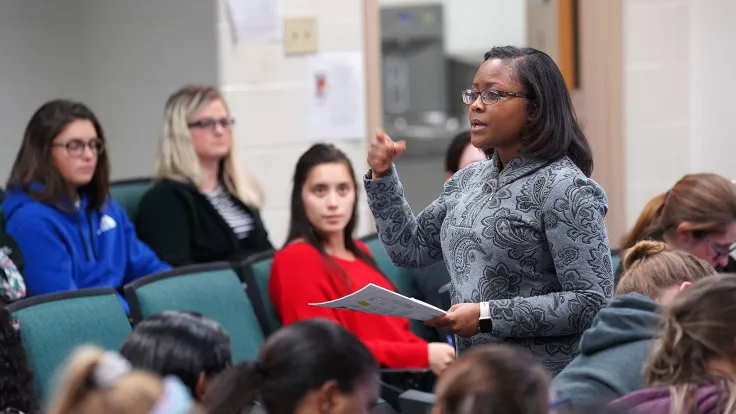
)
(375, 299)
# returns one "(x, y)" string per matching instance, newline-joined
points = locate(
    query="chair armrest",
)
(419, 371)
(416, 402)
(395, 382)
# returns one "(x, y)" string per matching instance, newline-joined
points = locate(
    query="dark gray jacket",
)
(612, 352)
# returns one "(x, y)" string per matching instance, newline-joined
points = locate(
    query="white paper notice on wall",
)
(256, 21)
(336, 106)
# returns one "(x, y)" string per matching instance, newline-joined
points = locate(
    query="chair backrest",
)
(257, 271)
(615, 258)
(213, 290)
(53, 325)
(128, 194)
(399, 276)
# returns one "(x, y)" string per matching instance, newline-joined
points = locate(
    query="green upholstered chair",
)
(52, 326)
(128, 194)
(257, 272)
(399, 276)
(615, 258)
(213, 290)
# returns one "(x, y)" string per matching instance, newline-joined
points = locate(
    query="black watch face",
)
(486, 325)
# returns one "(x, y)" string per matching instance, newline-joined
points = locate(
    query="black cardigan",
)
(180, 224)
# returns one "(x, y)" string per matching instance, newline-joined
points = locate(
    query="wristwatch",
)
(485, 323)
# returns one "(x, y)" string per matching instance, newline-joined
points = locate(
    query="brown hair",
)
(643, 223)
(33, 163)
(651, 266)
(706, 202)
(134, 393)
(698, 329)
(493, 379)
(455, 151)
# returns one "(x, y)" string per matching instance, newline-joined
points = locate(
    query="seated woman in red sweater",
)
(321, 261)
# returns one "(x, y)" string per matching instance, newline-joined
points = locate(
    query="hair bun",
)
(642, 251)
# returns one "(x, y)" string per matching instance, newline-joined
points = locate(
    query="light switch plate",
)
(300, 35)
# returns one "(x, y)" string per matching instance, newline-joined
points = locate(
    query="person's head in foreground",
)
(98, 381)
(494, 379)
(461, 153)
(697, 215)
(694, 361)
(658, 270)
(310, 367)
(63, 150)
(519, 102)
(188, 345)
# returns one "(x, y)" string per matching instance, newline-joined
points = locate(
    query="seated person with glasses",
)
(697, 215)
(204, 208)
(71, 233)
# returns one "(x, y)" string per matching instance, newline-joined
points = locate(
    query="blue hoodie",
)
(69, 251)
(612, 351)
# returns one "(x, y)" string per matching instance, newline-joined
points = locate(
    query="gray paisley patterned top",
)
(529, 239)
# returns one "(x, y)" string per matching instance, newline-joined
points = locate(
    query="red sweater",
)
(299, 277)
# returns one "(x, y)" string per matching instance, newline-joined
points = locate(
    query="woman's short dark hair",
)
(553, 131)
(184, 344)
(455, 151)
(295, 360)
(33, 163)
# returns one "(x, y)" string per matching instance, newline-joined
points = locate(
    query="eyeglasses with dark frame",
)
(720, 251)
(488, 96)
(75, 147)
(211, 124)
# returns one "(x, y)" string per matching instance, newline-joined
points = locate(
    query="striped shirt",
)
(239, 220)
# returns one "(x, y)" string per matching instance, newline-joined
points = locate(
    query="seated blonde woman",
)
(204, 208)
(98, 381)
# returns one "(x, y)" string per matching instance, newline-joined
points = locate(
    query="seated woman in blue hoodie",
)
(71, 234)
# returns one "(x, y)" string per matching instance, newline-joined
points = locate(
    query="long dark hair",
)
(553, 132)
(17, 389)
(181, 343)
(295, 360)
(301, 228)
(33, 163)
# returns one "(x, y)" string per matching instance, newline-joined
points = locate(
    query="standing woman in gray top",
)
(522, 233)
